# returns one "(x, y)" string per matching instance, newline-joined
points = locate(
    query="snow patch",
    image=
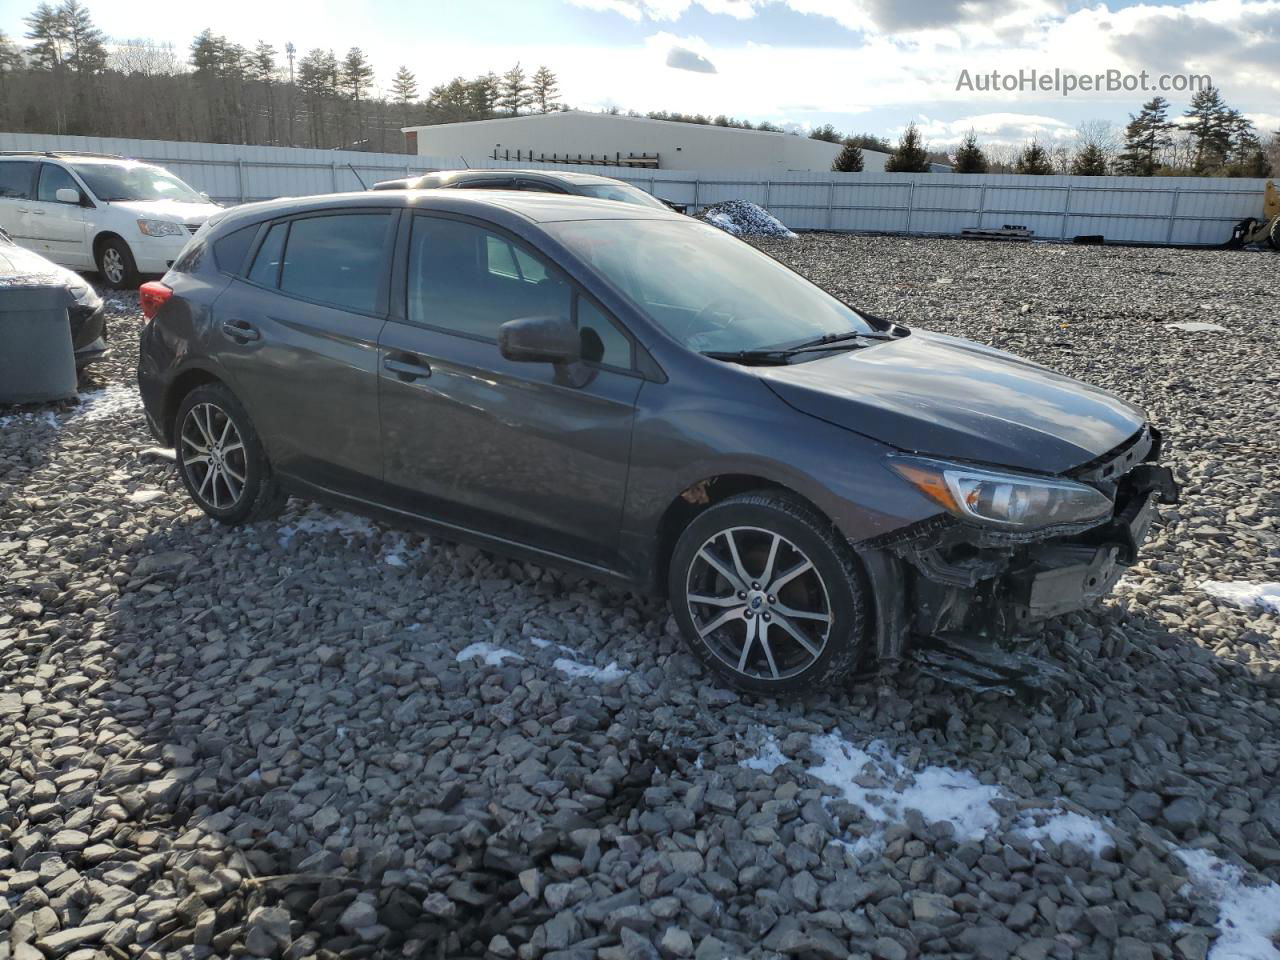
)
(1062, 826)
(768, 758)
(744, 219)
(107, 402)
(1248, 917)
(1197, 326)
(1242, 593)
(573, 668)
(882, 786)
(47, 417)
(316, 521)
(491, 654)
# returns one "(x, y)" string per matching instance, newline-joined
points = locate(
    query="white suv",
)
(120, 217)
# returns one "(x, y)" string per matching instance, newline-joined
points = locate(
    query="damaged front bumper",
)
(965, 580)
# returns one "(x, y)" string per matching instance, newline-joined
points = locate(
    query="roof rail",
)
(60, 153)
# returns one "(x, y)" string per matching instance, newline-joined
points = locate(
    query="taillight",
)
(153, 295)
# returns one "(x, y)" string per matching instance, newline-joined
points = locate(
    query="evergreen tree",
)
(849, 159)
(86, 52)
(404, 86)
(47, 30)
(481, 94)
(1145, 137)
(909, 156)
(10, 54)
(513, 91)
(970, 158)
(543, 90)
(1090, 161)
(355, 75)
(1211, 128)
(261, 67)
(1033, 160)
(826, 132)
(313, 83)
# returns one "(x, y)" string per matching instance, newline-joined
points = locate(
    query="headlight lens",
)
(1009, 500)
(161, 228)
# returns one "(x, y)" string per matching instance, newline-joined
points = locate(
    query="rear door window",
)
(338, 259)
(15, 179)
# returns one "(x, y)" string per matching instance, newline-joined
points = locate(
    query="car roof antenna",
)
(363, 185)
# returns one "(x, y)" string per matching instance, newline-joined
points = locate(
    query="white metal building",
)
(580, 137)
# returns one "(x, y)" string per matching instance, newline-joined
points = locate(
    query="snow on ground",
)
(47, 417)
(490, 653)
(1242, 593)
(107, 402)
(572, 668)
(879, 783)
(317, 520)
(744, 219)
(1248, 918)
(1062, 826)
(768, 758)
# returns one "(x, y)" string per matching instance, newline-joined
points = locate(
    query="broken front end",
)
(991, 564)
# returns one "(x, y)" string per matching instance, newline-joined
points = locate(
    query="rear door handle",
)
(407, 368)
(240, 331)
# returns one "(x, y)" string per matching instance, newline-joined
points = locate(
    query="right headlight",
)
(1009, 500)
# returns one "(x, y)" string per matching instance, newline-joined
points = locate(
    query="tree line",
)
(1210, 139)
(69, 78)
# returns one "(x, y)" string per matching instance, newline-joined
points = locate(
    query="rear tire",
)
(768, 596)
(220, 458)
(116, 264)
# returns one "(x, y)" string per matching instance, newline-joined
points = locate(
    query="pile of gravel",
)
(744, 219)
(320, 736)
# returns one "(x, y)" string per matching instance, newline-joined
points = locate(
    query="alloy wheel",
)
(113, 265)
(213, 455)
(758, 603)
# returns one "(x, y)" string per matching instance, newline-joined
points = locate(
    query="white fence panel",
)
(1157, 210)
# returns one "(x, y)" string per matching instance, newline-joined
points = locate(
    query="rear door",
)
(17, 187)
(297, 332)
(59, 228)
(513, 450)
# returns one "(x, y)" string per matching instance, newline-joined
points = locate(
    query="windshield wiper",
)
(780, 355)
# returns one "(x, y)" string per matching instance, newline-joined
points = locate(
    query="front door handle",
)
(408, 368)
(36, 213)
(240, 331)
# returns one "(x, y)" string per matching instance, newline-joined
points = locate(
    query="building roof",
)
(608, 117)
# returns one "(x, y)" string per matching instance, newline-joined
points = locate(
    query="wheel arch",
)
(183, 384)
(102, 236)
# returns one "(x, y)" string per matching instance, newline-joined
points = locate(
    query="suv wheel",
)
(767, 595)
(116, 264)
(221, 460)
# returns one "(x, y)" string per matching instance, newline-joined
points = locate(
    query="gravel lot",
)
(321, 736)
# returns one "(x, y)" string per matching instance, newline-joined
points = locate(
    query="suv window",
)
(52, 179)
(470, 280)
(15, 179)
(266, 265)
(339, 259)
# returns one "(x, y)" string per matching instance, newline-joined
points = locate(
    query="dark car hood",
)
(946, 397)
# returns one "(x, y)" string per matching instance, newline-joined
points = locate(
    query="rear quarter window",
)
(231, 251)
(15, 179)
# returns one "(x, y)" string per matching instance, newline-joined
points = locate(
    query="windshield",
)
(708, 290)
(134, 181)
(620, 191)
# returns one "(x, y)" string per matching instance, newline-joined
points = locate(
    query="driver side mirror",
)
(68, 195)
(543, 339)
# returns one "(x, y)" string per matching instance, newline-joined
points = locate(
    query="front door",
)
(59, 228)
(297, 334)
(517, 451)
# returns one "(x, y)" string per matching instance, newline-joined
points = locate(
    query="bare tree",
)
(145, 58)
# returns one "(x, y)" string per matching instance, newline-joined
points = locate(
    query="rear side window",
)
(340, 259)
(266, 265)
(15, 179)
(231, 250)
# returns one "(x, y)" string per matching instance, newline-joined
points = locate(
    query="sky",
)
(862, 65)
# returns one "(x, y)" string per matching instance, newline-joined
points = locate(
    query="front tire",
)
(220, 458)
(116, 264)
(768, 596)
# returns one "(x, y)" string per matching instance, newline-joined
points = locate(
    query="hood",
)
(19, 265)
(947, 397)
(177, 211)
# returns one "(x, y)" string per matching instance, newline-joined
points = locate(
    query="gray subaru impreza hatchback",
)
(640, 397)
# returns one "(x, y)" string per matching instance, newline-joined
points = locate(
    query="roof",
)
(569, 176)
(534, 207)
(604, 117)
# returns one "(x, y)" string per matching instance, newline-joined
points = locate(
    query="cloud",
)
(997, 128)
(681, 58)
(637, 10)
